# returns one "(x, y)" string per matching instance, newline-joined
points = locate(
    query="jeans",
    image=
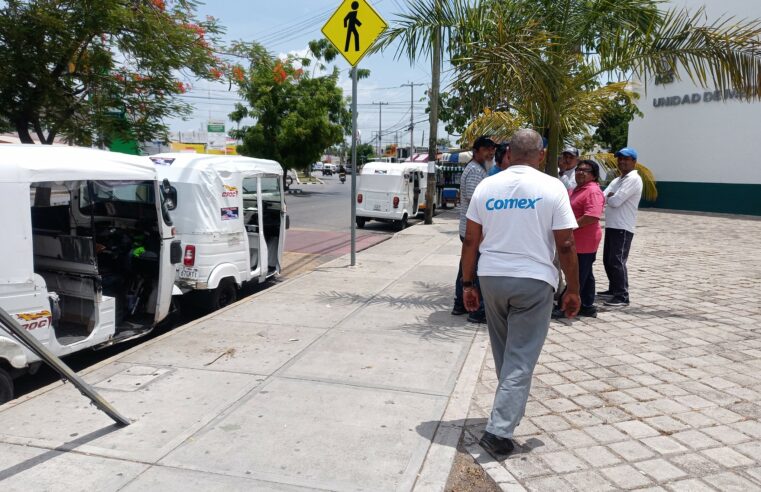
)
(586, 278)
(458, 302)
(614, 256)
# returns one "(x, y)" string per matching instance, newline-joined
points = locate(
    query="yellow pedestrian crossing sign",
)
(353, 28)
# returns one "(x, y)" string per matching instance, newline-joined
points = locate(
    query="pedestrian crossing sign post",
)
(353, 28)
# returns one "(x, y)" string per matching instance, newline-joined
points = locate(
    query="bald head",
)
(527, 147)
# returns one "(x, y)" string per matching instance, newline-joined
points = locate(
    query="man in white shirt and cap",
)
(569, 159)
(518, 219)
(621, 201)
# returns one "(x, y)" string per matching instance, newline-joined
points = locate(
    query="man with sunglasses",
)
(621, 201)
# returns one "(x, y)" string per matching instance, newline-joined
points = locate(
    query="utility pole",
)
(430, 191)
(380, 127)
(353, 166)
(412, 116)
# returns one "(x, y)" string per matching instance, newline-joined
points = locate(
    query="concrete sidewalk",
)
(340, 379)
(662, 395)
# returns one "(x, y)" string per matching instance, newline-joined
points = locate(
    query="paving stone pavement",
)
(662, 395)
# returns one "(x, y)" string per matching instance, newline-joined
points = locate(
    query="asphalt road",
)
(328, 207)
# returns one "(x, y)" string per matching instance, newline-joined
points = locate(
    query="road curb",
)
(438, 462)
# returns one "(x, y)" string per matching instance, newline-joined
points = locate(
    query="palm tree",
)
(544, 59)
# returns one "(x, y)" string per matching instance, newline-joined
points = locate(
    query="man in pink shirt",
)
(587, 202)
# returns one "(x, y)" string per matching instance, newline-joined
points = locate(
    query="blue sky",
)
(288, 25)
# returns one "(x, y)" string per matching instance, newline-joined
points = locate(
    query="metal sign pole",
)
(30, 342)
(353, 166)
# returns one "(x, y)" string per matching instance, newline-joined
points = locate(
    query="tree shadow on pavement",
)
(440, 325)
(434, 296)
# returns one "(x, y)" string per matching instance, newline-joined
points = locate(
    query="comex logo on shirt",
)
(508, 203)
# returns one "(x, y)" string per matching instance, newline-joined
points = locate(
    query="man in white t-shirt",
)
(518, 219)
(621, 201)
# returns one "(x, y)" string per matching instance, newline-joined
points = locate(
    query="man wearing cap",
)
(621, 201)
(568, 161)
(484, 149)
(518, 220)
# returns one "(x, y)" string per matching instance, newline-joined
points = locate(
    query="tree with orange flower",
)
(297, 115)
(93, 72)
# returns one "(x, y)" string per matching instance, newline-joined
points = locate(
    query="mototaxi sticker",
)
(229, 213)
(230, 191)
(36, 320)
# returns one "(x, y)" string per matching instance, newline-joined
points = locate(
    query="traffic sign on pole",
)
(353, 28)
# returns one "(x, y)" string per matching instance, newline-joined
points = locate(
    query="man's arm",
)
(468, 185)
(628, 188)
(569, 263)
(470, 244)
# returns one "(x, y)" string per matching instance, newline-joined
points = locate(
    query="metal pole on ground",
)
(33, 345)
(353, 166)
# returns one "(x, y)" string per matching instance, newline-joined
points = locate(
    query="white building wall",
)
(706, 141)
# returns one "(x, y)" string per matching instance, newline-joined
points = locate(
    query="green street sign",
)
(215, 128)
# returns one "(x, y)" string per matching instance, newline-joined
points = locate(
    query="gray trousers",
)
(518, 317)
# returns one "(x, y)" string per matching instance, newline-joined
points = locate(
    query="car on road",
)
(328, 169)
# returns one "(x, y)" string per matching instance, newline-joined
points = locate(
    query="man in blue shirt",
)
(501, 159)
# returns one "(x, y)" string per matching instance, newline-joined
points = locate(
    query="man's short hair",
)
(501, 151)
(483, 141)
(525, 144)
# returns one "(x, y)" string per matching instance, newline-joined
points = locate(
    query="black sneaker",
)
(495, 444)
(616, 302)
(589, 312)
(558, 313)
(477, 318)
(458, 310)
(605, 294)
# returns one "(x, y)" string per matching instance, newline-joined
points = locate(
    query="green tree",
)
(364, 152)
(94, 71)
(542, 60)
(297, 116)
(443, 143)
(613, 130)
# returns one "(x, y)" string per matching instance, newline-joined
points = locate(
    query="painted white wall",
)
(706, 142)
